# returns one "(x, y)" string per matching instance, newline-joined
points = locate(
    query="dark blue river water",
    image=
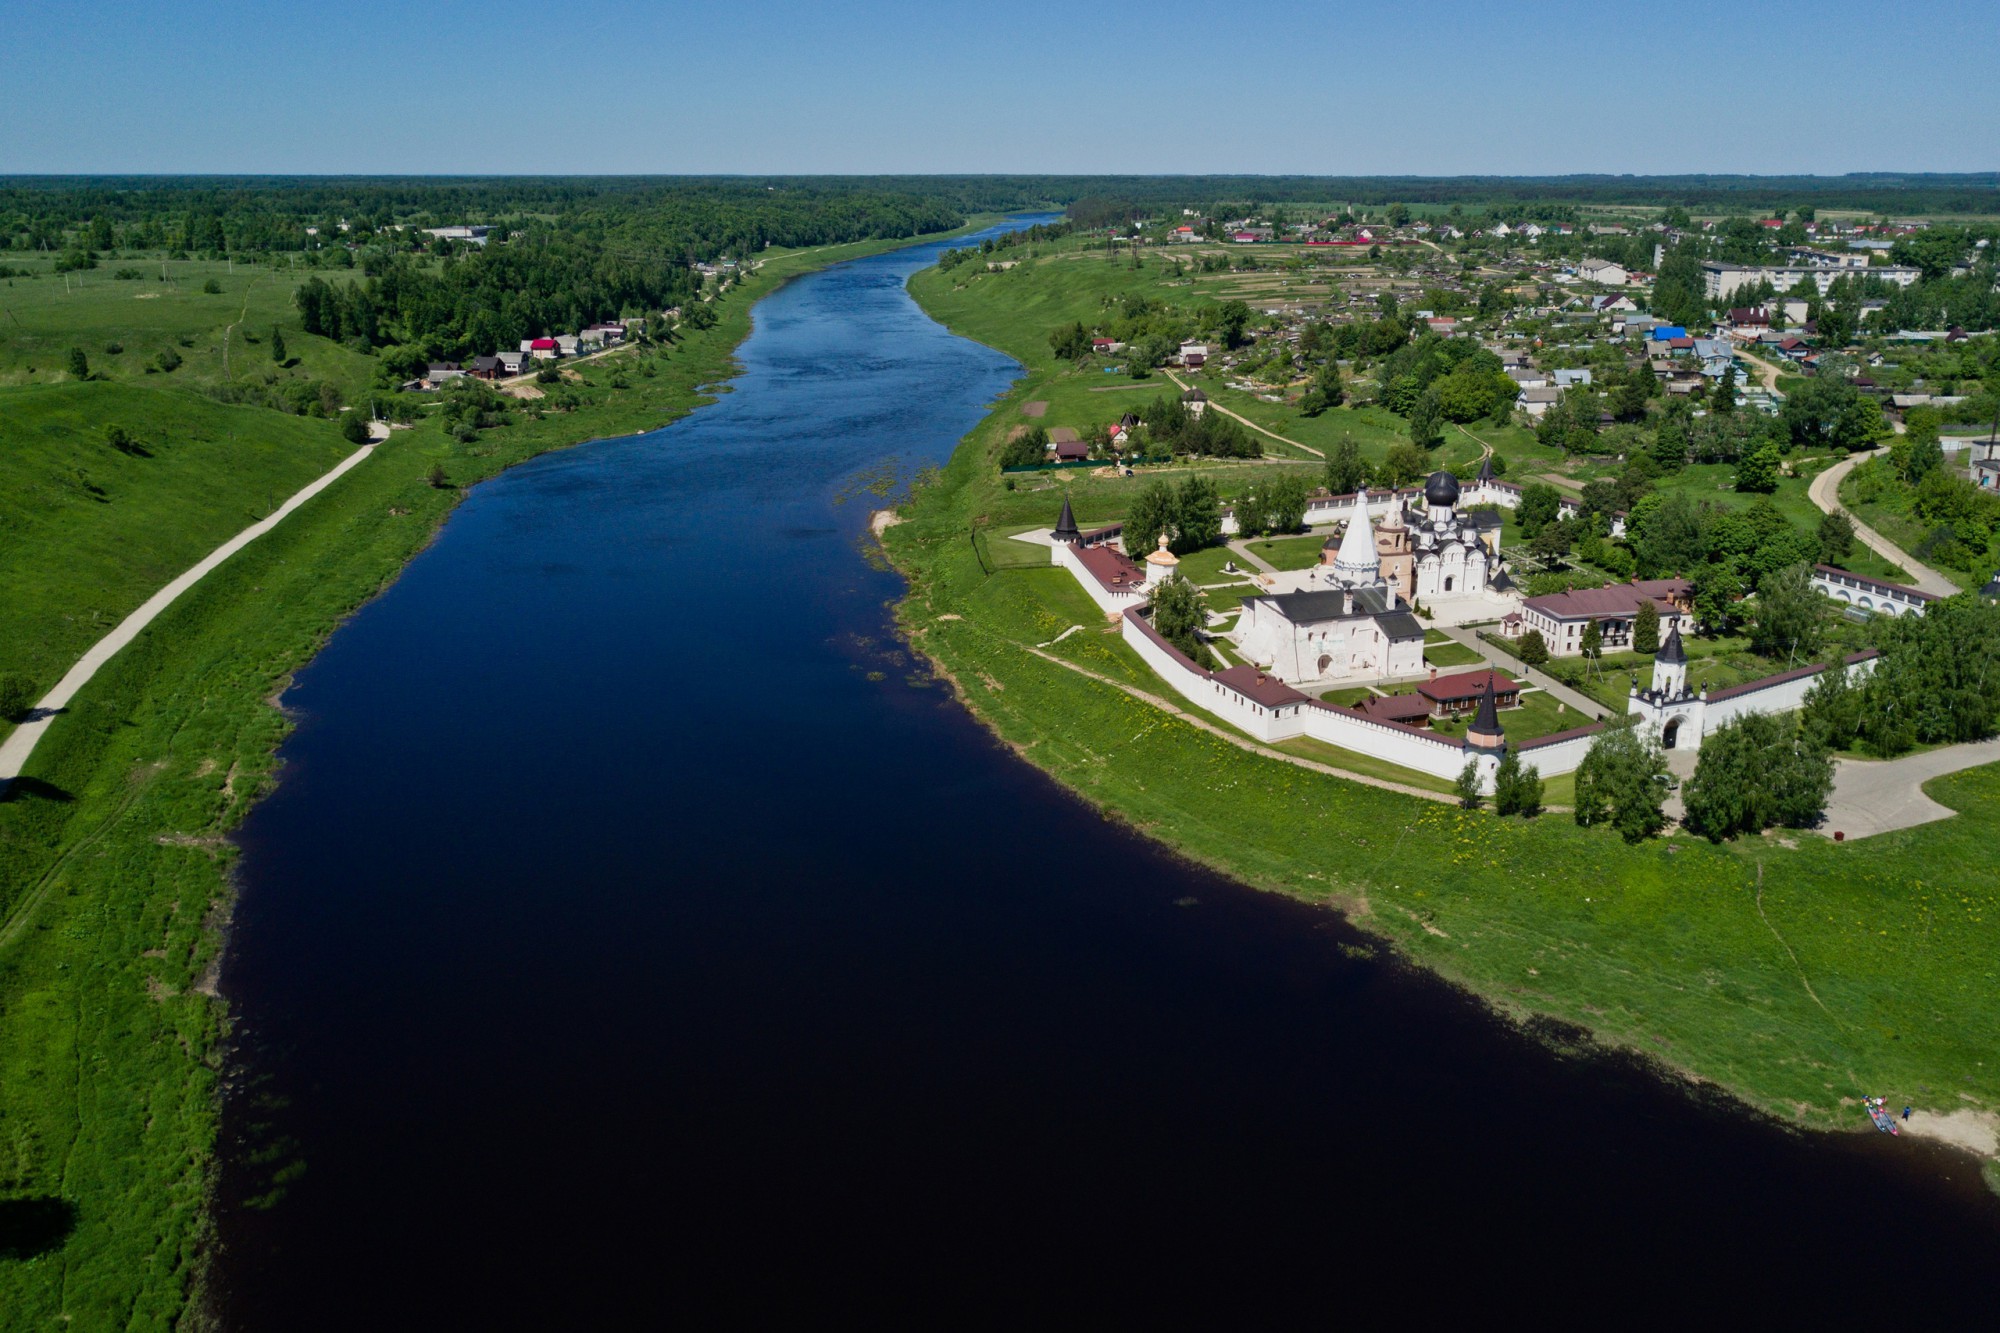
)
(618, 952)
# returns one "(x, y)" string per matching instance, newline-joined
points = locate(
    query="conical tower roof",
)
(1671, 652)
(1486, 469)
(1066, 525)
(1485, 730)
(1356, 562)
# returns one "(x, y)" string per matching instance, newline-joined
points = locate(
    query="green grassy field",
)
(1798, 973)
(220, 338)
(1289, 552)
(87, 532)
(114, 858)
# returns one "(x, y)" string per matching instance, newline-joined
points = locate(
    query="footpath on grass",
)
(20, 744)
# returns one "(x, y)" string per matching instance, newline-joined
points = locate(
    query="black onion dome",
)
(1441, 490)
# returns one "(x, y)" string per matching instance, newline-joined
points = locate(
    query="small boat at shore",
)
(1883, 1120)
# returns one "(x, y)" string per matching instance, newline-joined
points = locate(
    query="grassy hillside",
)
(1799, 973)
(88, 532)
(114, 856)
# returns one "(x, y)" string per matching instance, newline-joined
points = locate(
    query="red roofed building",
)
(1455, 695)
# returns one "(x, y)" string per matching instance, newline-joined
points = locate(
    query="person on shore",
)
(1906, 1113)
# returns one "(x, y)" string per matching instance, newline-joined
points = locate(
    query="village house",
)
(1602, 271)
(1067, 445)
(511, 363)
(1537, 401)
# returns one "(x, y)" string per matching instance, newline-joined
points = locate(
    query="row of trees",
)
(1190, 513)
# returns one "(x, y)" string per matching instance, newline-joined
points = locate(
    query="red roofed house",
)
(544, 349)
(1455, 695)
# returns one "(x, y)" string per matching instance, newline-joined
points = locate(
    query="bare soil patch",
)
(1034, 409)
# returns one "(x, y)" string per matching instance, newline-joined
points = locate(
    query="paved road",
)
(1875, 796)
(18, 746)
(1825, 492)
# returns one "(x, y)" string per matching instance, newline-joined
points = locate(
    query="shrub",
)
(17, 695)
(354, 428)
(1467, 785)
(168, 360)
(212, 287)
(436, 479)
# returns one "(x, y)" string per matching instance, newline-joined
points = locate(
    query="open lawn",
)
(1289, 552)
(1450, 654)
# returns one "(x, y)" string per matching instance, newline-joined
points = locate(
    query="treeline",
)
(689, 219)
(1040, 232)
(491, 299)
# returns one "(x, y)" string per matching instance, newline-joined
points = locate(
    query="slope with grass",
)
(1798, 973)
(89, 531)
(114, 855)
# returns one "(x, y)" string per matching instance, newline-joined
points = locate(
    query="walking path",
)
(1825, 492)
(1591, 709)
(1218, 407)
(1875, 796)
(18, 746)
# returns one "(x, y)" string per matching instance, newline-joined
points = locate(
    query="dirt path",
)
(1825, 492)
(1218, 407)
(1767, 373)
(1485, 449)
(16, 749)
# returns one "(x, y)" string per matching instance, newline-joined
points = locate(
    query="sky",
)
(1416, 87)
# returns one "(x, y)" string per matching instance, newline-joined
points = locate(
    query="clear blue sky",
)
(1428, 87)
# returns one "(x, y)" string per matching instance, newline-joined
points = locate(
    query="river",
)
(637, 936)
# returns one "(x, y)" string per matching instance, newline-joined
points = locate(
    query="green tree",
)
(1790, 618)
(1757, 772)
(1426, 419)
(1831, 715)
(1027, 449)
(1467, 785)
(277, 345)
(1070, 342)
(1152, 513)
(1180, 610)
(1326, 391)
(1724, 398)
(1670, 444)
(1231, 318)
(354, 427)
(1517, 788)
(1541, 504)
(1346, 469)
(1716, 590)
(168, 360)
(1835, 536)
(1403, 464)
(1534, 648)
(1646, 629)
(1593, 640)
(1619, 783)
(79, 364)
(1197, 514)
(1757, 470)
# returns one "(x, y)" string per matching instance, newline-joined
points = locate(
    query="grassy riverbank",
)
(114, 859)
(1800, 974)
